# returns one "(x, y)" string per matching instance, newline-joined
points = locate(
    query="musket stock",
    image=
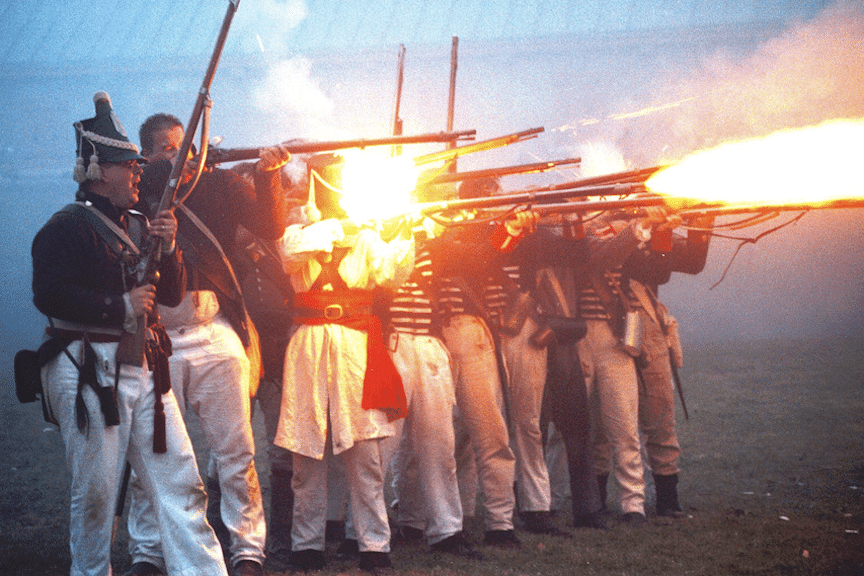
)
(130, 350)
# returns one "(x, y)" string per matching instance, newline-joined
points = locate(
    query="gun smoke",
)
(810, 73)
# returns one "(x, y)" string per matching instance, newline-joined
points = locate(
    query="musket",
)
(397, 119)
(684, 207)
(803, 206)
(504, 171)
(640, 175)
(691, 208)
(530, 197)
(130, 350)
(451, 99)
(453, 153)
(400, 75)
(220, 155)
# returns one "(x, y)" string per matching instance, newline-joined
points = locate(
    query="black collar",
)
(105, 206)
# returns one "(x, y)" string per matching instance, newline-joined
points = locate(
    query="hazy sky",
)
(708, 72)
(66, 30)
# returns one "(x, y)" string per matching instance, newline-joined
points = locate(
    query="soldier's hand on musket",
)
(273, 158)
(701, 222)
(164, 226)
(143, 299)
(189, 170)
(672, 221)
(524, 219)
(659, 218)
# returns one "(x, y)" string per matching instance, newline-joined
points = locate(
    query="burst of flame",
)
(813, 165)
(375, 185)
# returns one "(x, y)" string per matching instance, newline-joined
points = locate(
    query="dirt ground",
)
(776, 431)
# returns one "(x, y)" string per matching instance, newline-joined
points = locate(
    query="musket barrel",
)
(530, 197)
(452, 153)
(640, 175)
(717, 209)
(697, 208)
(504, 171)
(601, 205)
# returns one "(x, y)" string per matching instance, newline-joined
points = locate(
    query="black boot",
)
(602, 481)
(307, 561)
(540, 522)
(667, 496)
(214, 516)
(281, 516)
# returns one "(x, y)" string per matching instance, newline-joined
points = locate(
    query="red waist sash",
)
(382, 385)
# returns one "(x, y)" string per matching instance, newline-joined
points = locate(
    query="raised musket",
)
(130, 350)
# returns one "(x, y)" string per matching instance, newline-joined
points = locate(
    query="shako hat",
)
(101, 139)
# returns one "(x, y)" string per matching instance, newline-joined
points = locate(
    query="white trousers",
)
(210, 376)
(364, 472)
(96, 459)
(424, 468)
(481, 413)
(526, 367)
(613, 396)
(657, 403)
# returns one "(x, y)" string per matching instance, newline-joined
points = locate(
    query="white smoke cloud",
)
(294, 101)
(810, 73)
(600, 158)
(264, 25)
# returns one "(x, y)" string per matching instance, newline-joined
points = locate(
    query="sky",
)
(622, 84)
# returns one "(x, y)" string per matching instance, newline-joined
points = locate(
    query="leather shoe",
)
(540, 522)
(502, 539)
(248, 568)
(597, 521)
(375, 562)
(145, 569)
(306, 561)
(410, 534)
(456, 545)
(633, 518)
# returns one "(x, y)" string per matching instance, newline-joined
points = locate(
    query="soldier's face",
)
(166, 144)
(122, 180)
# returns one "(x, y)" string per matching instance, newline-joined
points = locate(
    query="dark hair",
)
(153, 124)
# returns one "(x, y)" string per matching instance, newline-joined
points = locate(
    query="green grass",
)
(772, 482)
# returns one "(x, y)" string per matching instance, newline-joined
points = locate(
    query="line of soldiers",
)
(439, 361)
(496, 330)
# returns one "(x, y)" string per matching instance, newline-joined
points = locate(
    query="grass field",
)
(772, 481)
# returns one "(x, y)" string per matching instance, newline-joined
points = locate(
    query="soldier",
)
(341, 391)
(216, 366)
(110, 412)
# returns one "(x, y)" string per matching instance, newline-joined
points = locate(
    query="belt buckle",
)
(333, 312)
